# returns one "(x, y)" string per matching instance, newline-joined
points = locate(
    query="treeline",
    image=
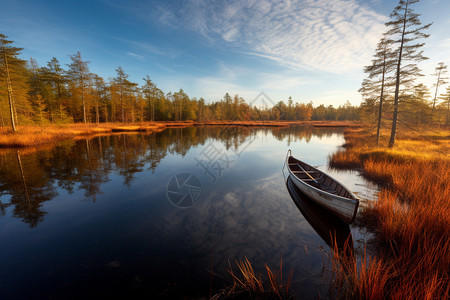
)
(31, 94)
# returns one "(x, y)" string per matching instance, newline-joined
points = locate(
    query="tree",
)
(441, 70)
(14, 97)
(150, 90)
(9, 56)
(382, 64)
(446, 102)
(100, 88)
(79, 73)
(120, 80)
(415, 107)
(405, 28)
(54, 77)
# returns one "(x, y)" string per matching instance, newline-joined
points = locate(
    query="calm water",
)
(149, 215)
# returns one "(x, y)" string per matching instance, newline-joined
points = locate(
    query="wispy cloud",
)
(147, 48)
(137, 56)
(335, 36)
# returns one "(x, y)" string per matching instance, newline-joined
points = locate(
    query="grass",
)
(249, 285)
(410, 219)
(33, 135)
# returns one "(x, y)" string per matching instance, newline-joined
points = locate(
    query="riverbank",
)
(35, 135)
(410, 220)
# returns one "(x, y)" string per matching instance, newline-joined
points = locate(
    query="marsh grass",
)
(247, 284)
(35, 135)
(410, 219)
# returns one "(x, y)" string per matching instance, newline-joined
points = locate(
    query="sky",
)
(309, 50)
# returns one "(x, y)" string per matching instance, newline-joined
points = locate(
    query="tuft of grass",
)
(410, 219)
(248, 284)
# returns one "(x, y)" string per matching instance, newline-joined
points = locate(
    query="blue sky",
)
(310, 50)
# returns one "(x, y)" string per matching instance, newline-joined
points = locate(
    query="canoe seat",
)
(303, 172)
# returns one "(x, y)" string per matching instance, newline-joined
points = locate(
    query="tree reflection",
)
(24, 179)
(30, 178)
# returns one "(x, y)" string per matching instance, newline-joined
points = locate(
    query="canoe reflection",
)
(328, 226)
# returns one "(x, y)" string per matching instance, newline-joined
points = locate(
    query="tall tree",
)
(79, 73)
(382, 64)
(100, 88)
(14, 85)
(446, 102)
(9, 56)
(440, 72)
(120, 81)
(405, 28)
(54, 77)
(149, 90)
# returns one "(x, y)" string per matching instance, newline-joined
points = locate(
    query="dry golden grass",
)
(34, 135)
(411, 219)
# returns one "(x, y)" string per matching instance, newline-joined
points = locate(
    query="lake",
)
(161, 215)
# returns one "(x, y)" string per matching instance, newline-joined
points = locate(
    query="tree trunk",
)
(397, 84)
(82, 99)
(97, 116)
(380, 111)
(9, 88)
(435, 92)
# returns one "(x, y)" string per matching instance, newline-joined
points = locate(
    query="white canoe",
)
(323, 189)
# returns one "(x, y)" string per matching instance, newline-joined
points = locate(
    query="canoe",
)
(329, 227)
(323, 189)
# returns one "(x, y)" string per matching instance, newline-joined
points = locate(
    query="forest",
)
(59, 95)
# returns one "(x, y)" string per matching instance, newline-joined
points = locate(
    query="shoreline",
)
(29, 135)
(408, 231)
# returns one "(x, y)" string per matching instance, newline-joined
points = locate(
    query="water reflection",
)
(330, 228)
(33, 177)
(91, 217)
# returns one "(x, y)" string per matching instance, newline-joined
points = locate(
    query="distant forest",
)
(66, 94)
(56, 94)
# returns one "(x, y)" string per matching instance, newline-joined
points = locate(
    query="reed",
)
(410, 219)
(248, 284)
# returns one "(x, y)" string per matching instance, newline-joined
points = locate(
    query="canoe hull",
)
(344, 208)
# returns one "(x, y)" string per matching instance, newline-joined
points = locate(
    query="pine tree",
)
(79, 74)
(54, 78)
(100, 88)
(441, 70)
(405, 28)
(14, 76)
(446, 103)
(120, 81)
(378, 81)
(149, 90)
(6, 52)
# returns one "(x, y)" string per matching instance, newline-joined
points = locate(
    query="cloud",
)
(336, 36)
(137, 56)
